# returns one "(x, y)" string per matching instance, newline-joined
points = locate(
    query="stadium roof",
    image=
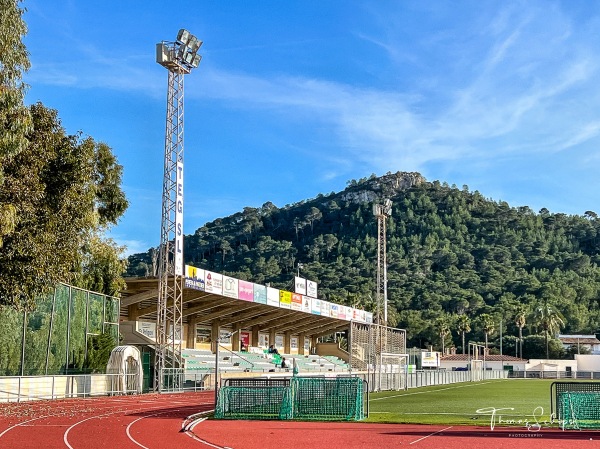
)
(139, 302)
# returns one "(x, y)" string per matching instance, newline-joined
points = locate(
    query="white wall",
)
(587, 362)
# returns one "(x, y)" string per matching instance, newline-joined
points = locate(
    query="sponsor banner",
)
(300, 285)
(230, 287)
(355, 315)
(147, 328)
(315, 307)
(342, 312)
(245, 339)
(296, 301)
(285, 299)
(430, 359)
(293, 342)
(306, 304)
(179, 221)
(225, 336)
(279, 341)
(311, 288)
(245, 290)
(213, 282)
(306, 344)
(325, 307)
(194, 278)
(260, 294)
(369, 317)
(263, 340)
(363, 316)
(335, 311)
(273, 296)
(349, 312)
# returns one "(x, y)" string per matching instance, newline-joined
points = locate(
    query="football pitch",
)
(510, 401)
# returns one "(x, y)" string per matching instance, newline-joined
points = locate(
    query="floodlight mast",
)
(179, 58)
(382, 212)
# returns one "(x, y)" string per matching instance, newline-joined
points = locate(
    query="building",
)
(589, 342)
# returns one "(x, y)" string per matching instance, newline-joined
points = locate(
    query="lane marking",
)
(429, 391)
(431, 434)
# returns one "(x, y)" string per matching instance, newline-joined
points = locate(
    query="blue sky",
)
(296, 98)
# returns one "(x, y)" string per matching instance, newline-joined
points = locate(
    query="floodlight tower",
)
(179, 58)
(382, 212)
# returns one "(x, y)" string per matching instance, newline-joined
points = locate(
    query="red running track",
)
(157, 422)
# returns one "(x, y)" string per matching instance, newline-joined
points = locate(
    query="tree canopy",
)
(58, 192)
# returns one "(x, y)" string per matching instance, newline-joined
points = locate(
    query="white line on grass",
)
(431, 434)
(430, 391)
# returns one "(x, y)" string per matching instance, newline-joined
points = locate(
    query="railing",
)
(30, 388)
(401, 380)
(547, 374)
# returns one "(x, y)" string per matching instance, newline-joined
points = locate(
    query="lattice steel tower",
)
(179, 58)
(382, 212)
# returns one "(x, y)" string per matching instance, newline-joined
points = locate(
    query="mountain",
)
(450, 252)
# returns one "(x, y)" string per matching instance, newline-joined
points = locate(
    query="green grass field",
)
(458, 403)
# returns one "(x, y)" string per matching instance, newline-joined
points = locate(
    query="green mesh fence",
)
(251, 402)
(580, 409)
(557, 389)
(323, 399)
(305, 398)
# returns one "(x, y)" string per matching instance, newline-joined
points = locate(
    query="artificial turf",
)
(525, 401)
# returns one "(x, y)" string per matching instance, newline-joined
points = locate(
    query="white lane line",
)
(133, 422)
(66, 435)
(429, 391)
(193, 436)
(427, 436)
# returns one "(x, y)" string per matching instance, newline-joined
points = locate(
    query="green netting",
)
(253, 403)
(305, 398)
(580, 409)
(323, 399)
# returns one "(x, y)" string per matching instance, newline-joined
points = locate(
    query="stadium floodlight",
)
(183, 36)
(179, 58)
(196, 61)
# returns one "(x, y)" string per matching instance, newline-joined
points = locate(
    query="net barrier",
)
(304, 398)
(580, 409)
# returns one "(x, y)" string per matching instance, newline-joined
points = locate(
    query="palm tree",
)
(464, 325)
(487, 326)
(520, 321)
(443, 329)
(549, 319)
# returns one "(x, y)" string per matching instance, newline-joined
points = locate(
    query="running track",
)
(176, 421)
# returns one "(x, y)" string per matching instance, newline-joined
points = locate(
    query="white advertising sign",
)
(213, 282)
(230, 287)
(300, 285)
(311, 289)
(273, 296)
(147, 328)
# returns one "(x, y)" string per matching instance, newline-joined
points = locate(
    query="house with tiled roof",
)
(589, 342)
(461, 362)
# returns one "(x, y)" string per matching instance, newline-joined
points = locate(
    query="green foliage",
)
(98, 352)
(449, 252)
(15, 120)
(66, 190)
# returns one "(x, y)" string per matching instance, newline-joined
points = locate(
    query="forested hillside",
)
(450, 252)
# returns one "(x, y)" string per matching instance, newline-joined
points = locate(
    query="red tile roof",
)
(582, 341)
